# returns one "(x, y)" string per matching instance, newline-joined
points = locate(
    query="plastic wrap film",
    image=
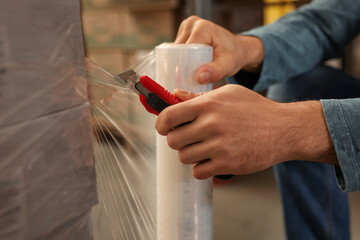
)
(47, 172)
(46, 59)
(184, 204)
(124, 157)
(133, 189)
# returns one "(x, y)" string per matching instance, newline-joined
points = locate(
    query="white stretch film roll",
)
(184, 204)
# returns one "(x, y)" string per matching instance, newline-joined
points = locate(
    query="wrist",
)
(250, 53)
(307, 134)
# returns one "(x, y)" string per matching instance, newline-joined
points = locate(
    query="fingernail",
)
(204, 77)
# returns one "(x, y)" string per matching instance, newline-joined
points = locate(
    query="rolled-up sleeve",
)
(343, 121)
(305, 38)
(297, 43)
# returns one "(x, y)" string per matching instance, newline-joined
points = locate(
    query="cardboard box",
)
(47, 173)
(122, 28)
(41, 59)
(112, 60)
(116, 61)
(80, 227)
(134, 4)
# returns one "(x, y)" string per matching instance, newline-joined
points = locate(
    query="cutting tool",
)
(153, 96)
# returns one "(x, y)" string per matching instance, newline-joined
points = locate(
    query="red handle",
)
(157, 89)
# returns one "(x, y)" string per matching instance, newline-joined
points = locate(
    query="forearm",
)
(233, 130)
(305, 135)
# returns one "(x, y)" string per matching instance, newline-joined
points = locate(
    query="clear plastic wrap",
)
(135, 191)
(42, 66)
(47, 173)
(184, 204)
(124, 156)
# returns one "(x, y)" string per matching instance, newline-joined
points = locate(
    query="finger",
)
(183, 95)
(187, 134)
(201, 32)
(209, 168)
(180, 30)
(204, 169)
(183, 33)
(176, 115)
(196, 152)
(198, 37)
(182, 37)
(185, 29)
(211, 72)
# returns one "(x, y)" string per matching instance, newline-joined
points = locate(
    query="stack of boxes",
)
(47, 175)
(117, 32)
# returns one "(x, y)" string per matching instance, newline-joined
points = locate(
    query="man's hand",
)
(233, 130)
(231, 52)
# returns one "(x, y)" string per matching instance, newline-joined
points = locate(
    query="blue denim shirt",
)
(303, 39)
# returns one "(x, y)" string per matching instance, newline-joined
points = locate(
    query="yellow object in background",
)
(274, 9)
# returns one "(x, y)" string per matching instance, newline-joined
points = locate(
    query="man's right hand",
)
(231, 52)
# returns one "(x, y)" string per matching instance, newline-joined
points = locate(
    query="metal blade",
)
(143, 90)
(130, 77)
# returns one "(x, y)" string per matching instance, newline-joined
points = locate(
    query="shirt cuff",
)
(342, 118)
(269, 74)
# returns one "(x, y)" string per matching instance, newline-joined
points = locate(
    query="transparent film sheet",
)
(141, 195)
(47, 172)
(124, 157)
(184, 204)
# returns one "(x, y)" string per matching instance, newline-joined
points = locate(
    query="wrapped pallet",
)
(47, 175)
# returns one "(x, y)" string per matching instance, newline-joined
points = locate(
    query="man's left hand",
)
(233, 130)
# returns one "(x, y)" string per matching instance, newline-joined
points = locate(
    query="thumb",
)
(183, 95)
(211, 72)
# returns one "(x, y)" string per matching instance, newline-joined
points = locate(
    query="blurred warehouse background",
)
(118, 32)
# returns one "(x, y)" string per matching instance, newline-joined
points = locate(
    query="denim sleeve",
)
(303, 39)
(343, 121)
